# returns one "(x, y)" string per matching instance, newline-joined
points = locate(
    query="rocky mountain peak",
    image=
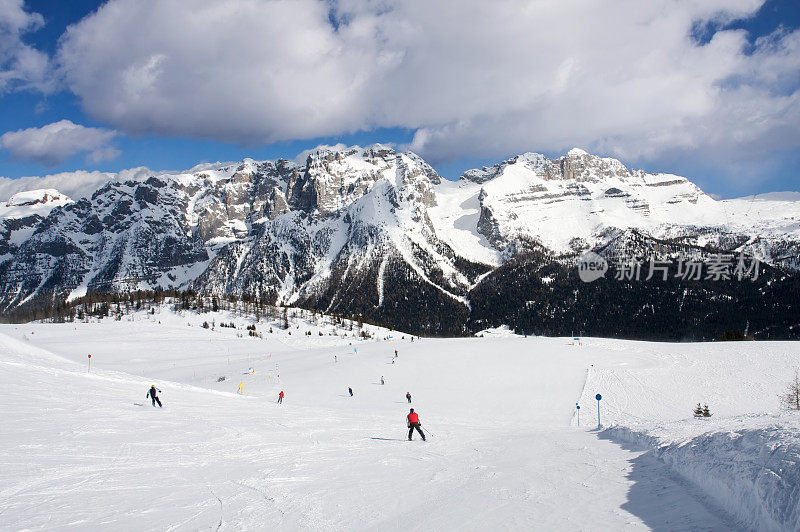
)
(334, 177)
(582, 166)
(576, 152)
(576, 164)
(356, 229)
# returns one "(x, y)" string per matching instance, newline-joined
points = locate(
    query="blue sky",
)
(709, 90)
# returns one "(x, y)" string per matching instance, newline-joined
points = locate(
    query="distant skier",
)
(280, 397)
(382, 381)
(351, 391)
(408, 396)
(395, 353)
(413, 423)
(335, 358)
(152, 395)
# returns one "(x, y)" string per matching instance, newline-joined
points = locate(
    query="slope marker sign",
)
(598, 397)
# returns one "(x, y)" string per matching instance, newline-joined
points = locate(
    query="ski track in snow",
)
(503, 451)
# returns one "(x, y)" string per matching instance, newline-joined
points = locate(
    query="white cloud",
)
(21, 66)
(251, 71)
(76, 185)
(474, 78)
(57, 142)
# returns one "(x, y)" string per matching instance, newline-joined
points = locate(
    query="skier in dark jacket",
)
(351, 391)
(152, 395)
(413, 423)
(408, 396)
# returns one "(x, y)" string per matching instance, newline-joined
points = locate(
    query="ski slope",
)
(77, 451)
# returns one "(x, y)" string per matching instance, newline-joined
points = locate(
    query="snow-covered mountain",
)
(581, 201)
(361, 230)
(21, 214)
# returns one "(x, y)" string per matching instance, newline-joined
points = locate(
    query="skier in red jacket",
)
(280, 397)
(413, 423)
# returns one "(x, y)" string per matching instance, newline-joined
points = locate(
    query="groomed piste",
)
(84, 449)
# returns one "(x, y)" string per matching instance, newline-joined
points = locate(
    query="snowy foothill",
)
(82, 448)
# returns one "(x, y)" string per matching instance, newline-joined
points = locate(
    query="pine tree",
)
(791, 399)
(706, 411)
(698, 411)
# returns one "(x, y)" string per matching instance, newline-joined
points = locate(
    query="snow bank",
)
(504, 331)
(752, 468)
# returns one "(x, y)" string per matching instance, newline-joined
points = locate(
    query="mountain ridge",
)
(368, 231)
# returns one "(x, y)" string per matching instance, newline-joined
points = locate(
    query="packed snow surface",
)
(85, 450)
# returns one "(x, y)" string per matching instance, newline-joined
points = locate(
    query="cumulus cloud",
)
(623, 77)
(76, 185)
(252, 71)
(21, 66)
(55, 143)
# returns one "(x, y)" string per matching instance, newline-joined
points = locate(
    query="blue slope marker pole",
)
(578, 408)
(598, 397)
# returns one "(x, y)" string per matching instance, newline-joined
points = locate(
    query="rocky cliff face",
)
(330, 230)
(361, 230)
(22, 213)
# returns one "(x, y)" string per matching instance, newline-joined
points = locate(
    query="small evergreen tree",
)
(706, 411)
(791, 399)
(698, 411)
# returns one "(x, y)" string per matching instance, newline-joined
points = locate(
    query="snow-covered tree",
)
(698, 411)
